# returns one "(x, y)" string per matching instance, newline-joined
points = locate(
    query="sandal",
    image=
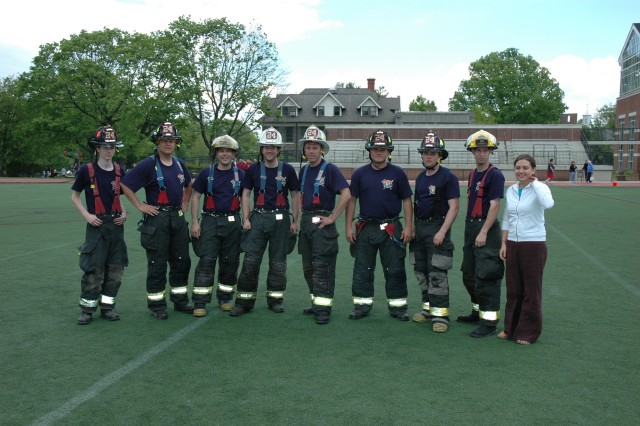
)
(503, 335)
(523, 342)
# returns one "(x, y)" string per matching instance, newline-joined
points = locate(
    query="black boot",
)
(473, 317)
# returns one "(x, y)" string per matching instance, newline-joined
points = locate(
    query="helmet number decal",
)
(271, 135)
(312, 133)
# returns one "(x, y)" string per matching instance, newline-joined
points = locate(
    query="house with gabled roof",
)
(291, 114)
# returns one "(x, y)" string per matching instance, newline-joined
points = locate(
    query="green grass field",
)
(264, 368)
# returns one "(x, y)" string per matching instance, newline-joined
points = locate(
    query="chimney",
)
(371, 84)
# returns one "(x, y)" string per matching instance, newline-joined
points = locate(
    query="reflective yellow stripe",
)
(425, 306)
(247, 295)
(88, 303)
(439, 312)
(275, 294)
(155, 297)
(475, 307)
(490, 315)
(312, 297)
(202, 290)
(397, 303)
(107, 300)
(362, 300)
(179, 290)
(226, 288)
(322, 301)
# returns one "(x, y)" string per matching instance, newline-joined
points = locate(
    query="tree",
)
(422, 104)
(92, 79)
(351, 85)
(605, 117)
(221, 73)
(509, 88)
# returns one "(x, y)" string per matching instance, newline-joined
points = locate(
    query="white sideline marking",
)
(110, 379)
(614, 276)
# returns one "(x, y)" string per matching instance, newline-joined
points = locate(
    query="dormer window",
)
(320, 111)
(371, 111)
(289, 111)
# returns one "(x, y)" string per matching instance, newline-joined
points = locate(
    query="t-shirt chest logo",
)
(432, 189)
(387, 184)
(283, 179)
(181, 178)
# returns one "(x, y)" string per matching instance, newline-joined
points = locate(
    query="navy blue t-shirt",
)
(493, 189)
(380, 192)
(106, 186)
(437, 188)
(331, 183)
(222, 187)
(290, 182)
(143, 175)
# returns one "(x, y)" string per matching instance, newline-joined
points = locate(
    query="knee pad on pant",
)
(277, 277)
(205, 271)
(395, 276)
(438, 283)
(363, 281)
(248, 279)
(228, 271)
(422, 281)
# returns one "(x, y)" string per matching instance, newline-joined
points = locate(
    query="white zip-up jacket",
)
(524, 215)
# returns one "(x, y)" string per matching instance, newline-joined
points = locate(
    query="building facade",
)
(626, 150)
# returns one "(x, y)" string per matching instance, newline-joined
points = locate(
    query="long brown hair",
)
(527, 157)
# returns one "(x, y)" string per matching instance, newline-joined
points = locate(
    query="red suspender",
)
(116, 207)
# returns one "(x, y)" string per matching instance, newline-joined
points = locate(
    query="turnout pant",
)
(270, 228)
(482, 270)
(371, 239)
(219, 243)
(165, 237)
(431, 265)
(319, 250)
(103, 257)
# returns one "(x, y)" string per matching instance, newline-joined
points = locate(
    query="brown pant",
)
(523, 311)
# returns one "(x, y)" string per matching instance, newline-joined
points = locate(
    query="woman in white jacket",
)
(524, 249)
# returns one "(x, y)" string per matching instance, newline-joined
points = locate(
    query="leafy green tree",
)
(420, 103)
(605, 117)
(509, 88)
(351, 85)
(221, 73)
(92, 79)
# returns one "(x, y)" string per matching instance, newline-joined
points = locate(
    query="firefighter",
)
(269, 223)
(164, 230)
(103, 256)
(382, 191)
(320, 181)
(482, 269)
(437, 200)
(217, 238)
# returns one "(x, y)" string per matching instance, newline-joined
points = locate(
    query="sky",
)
(410, 47)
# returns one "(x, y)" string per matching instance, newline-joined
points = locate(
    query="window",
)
(289, 111)
(369, 110)
(337, 110)
(630, 161)
(621, 128)
(620, 156)
(320, 112)
(632, 127)
(288, 134)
